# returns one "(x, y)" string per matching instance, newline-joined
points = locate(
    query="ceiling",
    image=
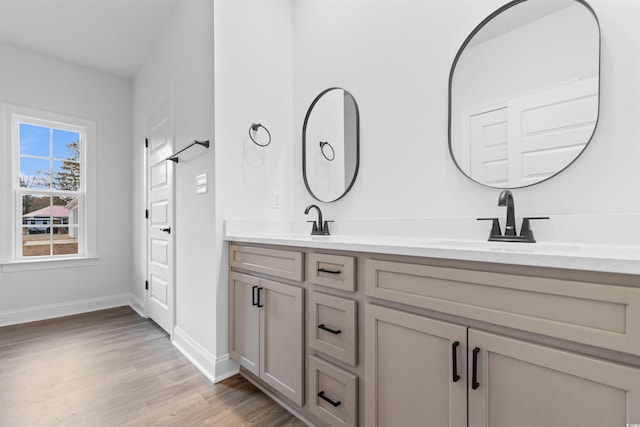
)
(112, 36)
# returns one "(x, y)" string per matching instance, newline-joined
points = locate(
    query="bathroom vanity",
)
(387, 331)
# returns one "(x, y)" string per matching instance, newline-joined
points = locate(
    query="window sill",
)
(47, 264)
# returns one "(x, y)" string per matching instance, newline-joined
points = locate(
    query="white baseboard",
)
(137, 305)
(226, 367)
(214, 368)
(51, 311)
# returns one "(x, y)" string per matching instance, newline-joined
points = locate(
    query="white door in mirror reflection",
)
(530, 138)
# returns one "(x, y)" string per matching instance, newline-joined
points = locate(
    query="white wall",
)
(395, 56)
(42, 83)
(253, 84)
(183, 58)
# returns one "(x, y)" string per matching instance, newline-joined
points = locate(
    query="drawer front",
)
(595, 314)
(333, 393)
(333, 326)
(334, 271)
(274, 262)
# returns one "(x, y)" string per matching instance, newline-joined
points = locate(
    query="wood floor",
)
(114, 368)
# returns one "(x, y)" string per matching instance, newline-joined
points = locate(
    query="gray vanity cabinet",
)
(529, 385)
(403, 341)
(410, 378)
(410, 370)
(267, 327)
(510, 381)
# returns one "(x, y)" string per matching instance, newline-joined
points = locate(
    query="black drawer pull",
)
(454, 361)
(259, 302)
(253, 295)
(326, 399)
(474, 376)
(324, 270)
(333, 331)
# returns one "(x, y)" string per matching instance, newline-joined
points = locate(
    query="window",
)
(52, 186)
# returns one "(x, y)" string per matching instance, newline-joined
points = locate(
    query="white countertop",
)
(611, 243)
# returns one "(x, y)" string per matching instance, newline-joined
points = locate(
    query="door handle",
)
(253, 295)
(454, 361)
(166, 230)
(474, 375)
(259, 305)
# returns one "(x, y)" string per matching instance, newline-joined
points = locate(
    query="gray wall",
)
(39, 82)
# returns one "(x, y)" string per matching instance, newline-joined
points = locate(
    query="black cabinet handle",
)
(324, 270)
(166, 230)
(454, 362)
(326, 399)
(474, 376)
(259, 303)
(333, 331)
(253, 296)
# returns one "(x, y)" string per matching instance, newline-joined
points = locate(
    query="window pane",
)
(36, 225)
(66, 175)
(34, 173)
(36, 241)
(66, 145)
(34, 140)
(67, 210)
(64, 242)
(36, 209)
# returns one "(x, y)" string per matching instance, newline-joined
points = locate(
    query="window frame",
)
(11, 258)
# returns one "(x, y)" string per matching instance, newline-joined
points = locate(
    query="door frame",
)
(167, 96)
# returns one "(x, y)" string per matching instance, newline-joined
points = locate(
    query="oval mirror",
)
(524, 92)
(330, 145)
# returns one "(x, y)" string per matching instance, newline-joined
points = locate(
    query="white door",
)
(160, 196)
(532, 138)
(548, 130)
(488, 136)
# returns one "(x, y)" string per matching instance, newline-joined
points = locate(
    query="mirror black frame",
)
(304, 144)
(455, 62)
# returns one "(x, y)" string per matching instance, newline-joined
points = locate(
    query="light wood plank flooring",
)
(114, 368)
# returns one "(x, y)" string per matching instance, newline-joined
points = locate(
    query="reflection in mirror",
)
(330, 145)
(524, 92)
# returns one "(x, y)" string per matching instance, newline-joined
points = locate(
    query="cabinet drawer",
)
(333, 326)
(334, 271)
(594, 314)
(333, 393)
(274, 262)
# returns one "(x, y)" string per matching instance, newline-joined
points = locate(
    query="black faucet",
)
(506, 199)
(319, 227)
(510, 235)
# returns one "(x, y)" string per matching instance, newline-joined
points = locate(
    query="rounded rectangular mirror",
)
(330, 145)
(524, 92)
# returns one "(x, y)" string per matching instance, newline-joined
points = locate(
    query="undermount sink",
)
(505, 246)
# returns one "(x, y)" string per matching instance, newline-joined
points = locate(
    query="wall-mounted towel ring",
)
(332, 153)
(254, 128)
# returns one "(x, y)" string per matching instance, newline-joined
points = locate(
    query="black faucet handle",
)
(525, 229)
(325, 227)
(314, 229)
(495, 226)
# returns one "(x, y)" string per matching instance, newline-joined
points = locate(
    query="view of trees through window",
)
(49, 183)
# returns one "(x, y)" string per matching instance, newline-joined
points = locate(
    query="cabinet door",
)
(244, 339)
(281, 329)
(520, 384)
(409, 370)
